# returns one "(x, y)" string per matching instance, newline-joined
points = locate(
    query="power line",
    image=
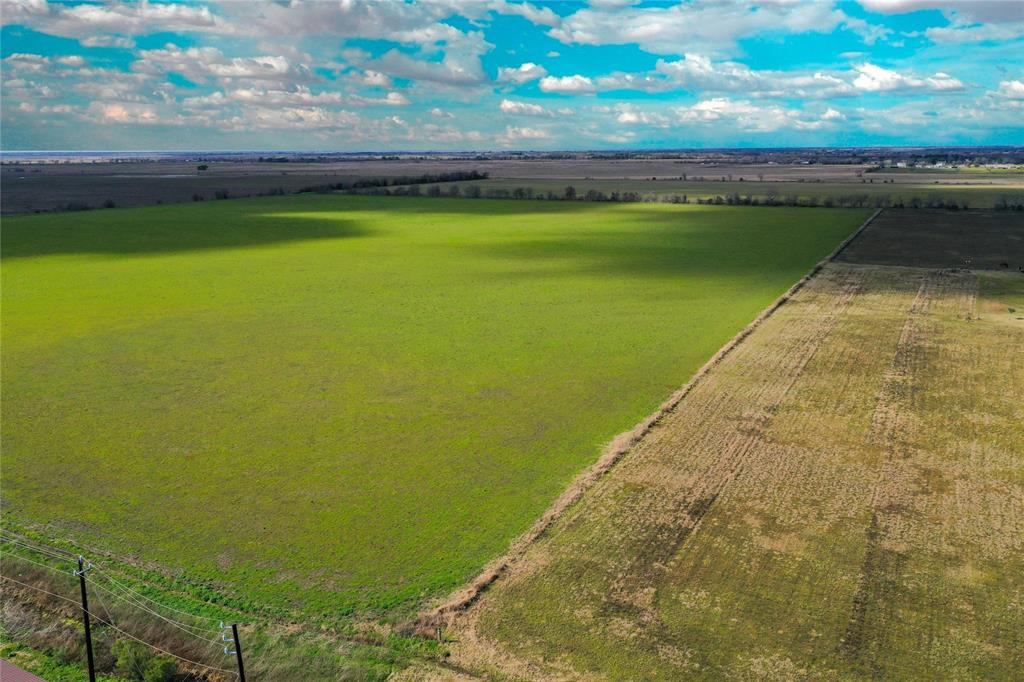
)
(184, 627)
(150, 599)
(153, 646)
(126, 634)
(122, 586)
(127, 598)
(52, 553)
(39, 589)
(37, 563)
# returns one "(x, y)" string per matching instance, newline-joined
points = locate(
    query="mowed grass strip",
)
(346, 404)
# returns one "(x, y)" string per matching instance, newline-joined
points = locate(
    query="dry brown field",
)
(840, 498)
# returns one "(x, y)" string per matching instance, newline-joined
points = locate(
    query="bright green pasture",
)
(344, 404)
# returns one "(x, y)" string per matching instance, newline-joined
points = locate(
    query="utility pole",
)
(85, 615)
(238, 653)
(238, 648)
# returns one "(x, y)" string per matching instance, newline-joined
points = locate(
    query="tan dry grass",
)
(840, 497)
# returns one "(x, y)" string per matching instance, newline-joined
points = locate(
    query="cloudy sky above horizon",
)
(504, 74)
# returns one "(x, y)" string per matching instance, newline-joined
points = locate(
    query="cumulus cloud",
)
(521, 74)
(976, 10)
(568, 85)
(516, 134)
(706, 26)
(1012, 90)
(459, 66)
(202, 64)
(872, 78)
(376, 79)
(86, 20)
(508, 106)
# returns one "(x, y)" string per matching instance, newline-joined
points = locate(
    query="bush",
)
(570, 193)
(161, 669)
(132, 659)
(109, 203)
(202, 167)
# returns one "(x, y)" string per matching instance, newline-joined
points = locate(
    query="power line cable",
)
(42, 550)
(163, 651)
(151, 600)
(191, 630)
(126, 634)
(39, 589)
(37, 563)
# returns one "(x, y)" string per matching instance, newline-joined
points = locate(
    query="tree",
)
(570, 193)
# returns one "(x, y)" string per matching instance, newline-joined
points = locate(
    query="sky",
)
(351, 75)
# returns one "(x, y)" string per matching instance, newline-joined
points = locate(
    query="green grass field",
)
(337, 405)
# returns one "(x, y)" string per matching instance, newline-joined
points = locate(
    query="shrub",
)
(160, 669)
(132, 659)
(109, 203)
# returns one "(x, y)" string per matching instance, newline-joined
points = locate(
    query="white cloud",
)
(70, 60)
(460, 66)
(119, 112)
(630, 115)
(201, 64)
(84, 21)
(107, 41)
(392, 99)
(376, 79)
(514, 134)
(536, 15)
(975, 33)
(706, 26)
(438, 112)
(977, 10)
(568, 85)
(512, 107)
(746, 116)
(872, 78)
(521, 74)
(1011, 90)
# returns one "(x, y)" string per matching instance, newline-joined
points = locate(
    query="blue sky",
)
(505, 74)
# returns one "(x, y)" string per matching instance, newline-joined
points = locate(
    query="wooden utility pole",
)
(238, 653)
(85, 617)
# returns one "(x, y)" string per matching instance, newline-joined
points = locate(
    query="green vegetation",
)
(334, 405)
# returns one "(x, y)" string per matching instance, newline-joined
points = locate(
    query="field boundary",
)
(464, 598)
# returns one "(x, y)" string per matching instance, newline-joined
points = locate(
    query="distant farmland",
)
(1007, 186)
(333, 405)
